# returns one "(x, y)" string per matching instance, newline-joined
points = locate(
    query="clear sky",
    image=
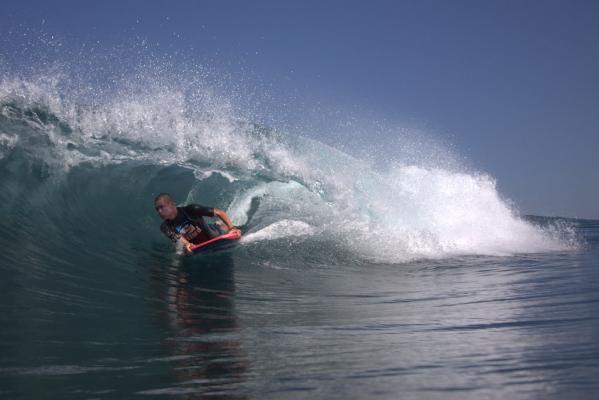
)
(513, 85)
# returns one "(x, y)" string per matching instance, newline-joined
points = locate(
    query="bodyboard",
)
(216, 243)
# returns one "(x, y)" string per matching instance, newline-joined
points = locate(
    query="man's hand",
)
(188, 248)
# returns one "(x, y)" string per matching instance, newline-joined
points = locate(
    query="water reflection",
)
(203, 329)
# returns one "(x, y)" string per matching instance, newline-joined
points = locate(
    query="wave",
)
(76, 169)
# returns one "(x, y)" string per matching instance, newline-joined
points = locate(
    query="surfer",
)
(187, 224)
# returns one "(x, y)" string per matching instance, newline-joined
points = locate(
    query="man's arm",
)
(176, 238)
(186, 245)
(220, 214)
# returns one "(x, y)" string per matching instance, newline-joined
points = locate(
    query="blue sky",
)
(513, 85)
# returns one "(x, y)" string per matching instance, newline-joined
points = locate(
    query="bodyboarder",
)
(187, 224)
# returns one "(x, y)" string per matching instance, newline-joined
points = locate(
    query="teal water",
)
(461, 297)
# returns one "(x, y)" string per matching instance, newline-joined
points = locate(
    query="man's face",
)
(166, 209)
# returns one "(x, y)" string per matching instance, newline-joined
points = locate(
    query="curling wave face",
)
(73, 170)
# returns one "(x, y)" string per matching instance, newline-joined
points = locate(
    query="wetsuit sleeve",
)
(196, 211)
(169, 232)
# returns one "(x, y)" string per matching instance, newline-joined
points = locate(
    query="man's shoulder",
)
(192, 206)
(198, 210)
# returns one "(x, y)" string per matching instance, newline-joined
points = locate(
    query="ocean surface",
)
(413, 281)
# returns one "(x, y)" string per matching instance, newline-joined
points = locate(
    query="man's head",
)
(165, 206)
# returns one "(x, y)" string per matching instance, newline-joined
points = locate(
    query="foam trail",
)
(281, 229)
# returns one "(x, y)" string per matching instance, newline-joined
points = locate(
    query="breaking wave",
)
(84, 169)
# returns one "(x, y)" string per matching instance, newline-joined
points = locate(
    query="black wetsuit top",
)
(190, 223)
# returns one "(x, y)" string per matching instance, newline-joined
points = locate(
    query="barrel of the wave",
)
(221, 242)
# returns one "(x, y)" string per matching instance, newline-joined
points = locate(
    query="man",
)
(187, 224)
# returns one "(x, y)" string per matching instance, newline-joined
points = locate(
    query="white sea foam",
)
(421, 212)
(7, 143)
(201, 175)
